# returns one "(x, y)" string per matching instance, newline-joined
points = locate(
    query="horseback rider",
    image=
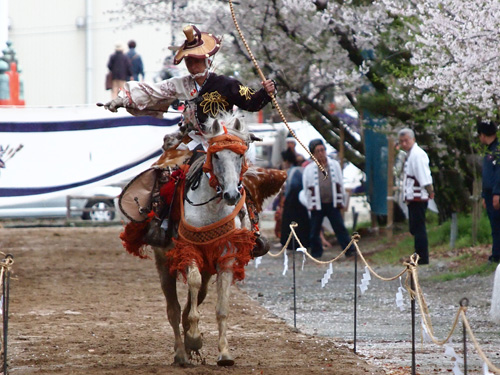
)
(205, 94)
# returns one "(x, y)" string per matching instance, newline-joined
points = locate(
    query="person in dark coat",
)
(487, 131)
(293, 210)
(120, 68)
(135, 61)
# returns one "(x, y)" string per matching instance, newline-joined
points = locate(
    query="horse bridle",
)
(228, 142)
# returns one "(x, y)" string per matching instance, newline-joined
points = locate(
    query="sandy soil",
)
(80, 304)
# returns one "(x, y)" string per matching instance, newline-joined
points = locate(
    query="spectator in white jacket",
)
(418, 189)
(325, 197)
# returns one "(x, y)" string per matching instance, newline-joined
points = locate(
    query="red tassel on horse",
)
(133, 235)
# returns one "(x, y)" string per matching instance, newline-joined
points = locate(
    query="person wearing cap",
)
(325, 197)
(137, 65)
(120, 68)
(487, 131)
(291, 144)
(418, 189)
(205, 93)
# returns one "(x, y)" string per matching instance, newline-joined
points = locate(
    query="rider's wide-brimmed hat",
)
(198, 44)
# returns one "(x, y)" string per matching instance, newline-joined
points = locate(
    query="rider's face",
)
(195, 66)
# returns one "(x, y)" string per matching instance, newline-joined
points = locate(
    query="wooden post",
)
(390, 185)
(476, 208)
(341, 161)
(341, 146)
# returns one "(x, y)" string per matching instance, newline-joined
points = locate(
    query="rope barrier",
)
(411, 269)
(491, 366)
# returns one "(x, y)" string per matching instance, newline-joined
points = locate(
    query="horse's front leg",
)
(169, 287)
(192, 336)
(224, 281)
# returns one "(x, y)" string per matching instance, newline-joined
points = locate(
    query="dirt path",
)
(81, 305)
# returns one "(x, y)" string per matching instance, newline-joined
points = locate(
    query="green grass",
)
(462, 263)
(483, 269)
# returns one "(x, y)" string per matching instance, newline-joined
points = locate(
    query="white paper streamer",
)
(450, 352)
(303, 251)
(399, 296)
(285, 262)
(258, 261)
(425, 334)
(365, 281)
(327, 275)
(486, 370)
(456, 369)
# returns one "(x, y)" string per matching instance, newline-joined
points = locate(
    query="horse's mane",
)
(227, 119)
(253, 171)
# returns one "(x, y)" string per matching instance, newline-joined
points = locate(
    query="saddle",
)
(151, 201)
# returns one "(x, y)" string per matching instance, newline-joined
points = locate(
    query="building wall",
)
(51, 49)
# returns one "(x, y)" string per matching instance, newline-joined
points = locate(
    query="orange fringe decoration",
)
(132, 237)
(238, 245)
(212, 246)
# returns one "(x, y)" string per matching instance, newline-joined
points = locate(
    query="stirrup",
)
(261, 246)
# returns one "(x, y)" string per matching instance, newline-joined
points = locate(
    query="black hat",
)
(314, 143)
(486, 127)
(289, 156)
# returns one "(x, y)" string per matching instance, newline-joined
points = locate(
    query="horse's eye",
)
(216, 156)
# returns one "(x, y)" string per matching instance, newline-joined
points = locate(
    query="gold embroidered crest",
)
(213, 103)
(247, 92)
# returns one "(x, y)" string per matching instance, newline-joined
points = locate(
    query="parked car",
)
(98, 203)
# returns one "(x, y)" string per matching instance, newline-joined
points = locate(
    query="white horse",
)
(211, 238)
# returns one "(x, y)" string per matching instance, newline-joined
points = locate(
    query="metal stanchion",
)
(355, 296)
(413, 366)
(294, 286)
(464, 302)
(5, 311)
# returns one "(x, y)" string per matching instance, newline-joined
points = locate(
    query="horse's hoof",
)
(225, 360)
(261, 247)
(181, 360)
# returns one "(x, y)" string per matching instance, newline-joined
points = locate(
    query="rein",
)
(203, 203)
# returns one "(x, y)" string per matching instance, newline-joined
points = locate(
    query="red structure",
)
(14, 87)
(11, 90)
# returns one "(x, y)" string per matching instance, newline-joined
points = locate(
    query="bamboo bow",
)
(273, 98)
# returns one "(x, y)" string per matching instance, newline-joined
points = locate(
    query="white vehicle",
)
(99, 206)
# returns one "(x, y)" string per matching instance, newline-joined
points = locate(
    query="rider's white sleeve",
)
(142, 95)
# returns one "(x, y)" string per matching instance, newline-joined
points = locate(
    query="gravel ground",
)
(383, 330)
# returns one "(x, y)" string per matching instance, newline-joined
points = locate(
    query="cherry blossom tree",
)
(313, 49)
(416, 63)
(454, 47)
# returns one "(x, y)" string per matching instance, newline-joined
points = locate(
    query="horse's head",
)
(228, 140)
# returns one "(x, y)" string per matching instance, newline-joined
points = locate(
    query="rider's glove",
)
(114, 104)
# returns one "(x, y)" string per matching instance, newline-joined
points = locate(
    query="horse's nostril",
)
(231, 198)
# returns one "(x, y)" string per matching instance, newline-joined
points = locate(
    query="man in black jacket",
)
(487, 131)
